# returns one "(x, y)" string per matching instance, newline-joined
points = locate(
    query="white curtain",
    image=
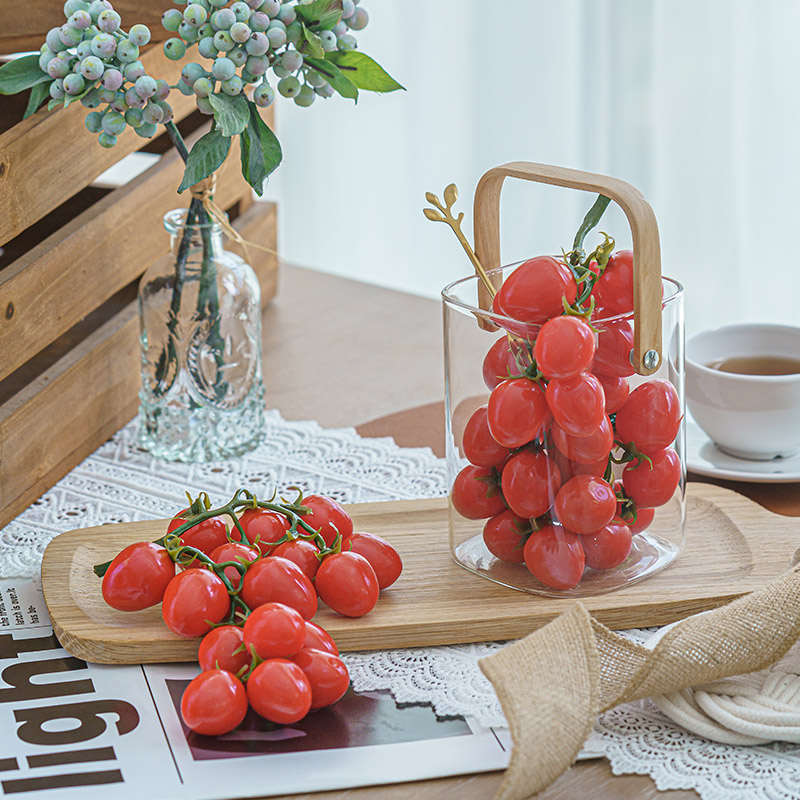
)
(695, 102)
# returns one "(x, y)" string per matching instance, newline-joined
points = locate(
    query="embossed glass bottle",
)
(202, 396)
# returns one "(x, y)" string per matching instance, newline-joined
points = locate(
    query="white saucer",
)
(705, 458)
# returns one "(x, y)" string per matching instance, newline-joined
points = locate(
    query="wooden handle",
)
(646, 356)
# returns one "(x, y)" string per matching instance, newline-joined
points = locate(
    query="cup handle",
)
(646, 354)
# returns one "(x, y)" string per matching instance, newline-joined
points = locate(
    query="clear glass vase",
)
(202, 395)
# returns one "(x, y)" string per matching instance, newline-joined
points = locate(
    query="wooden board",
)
(733, 547)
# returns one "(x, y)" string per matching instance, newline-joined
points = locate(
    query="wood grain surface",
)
(435, 601)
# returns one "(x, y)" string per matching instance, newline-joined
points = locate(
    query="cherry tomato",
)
(585, 449)
(653, 485)
(608, 547)
(569, 469)
(614, 345)
(534, 290)
(505, 536)
(233, 551)
(205, 536)
(382, 557)
(194, 601)
(565, 347)
(215, 702)
(347, 583)
(555, 557)
(651, 417)
(317, 638)
(263, 527)
(517, 412)
(578, 404)
(327, 675)
(279, 691)
(614, 288)
(585, 504)
(476, 493)
(303, 552)
(504, 359)
(616, 391)
(216, 649)
(138, 577)
(274, 630)
(478, 443)
(644, 518)
(530, 482)
(278, 580)
(328, 517)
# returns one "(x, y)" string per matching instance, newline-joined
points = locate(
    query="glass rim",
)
(175, 221)
(448, 298)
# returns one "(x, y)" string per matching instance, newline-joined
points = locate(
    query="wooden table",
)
(350, 354)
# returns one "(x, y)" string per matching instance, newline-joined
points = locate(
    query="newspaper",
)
(69, 729)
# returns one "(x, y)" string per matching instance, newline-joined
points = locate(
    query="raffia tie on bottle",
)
(553, 683)
(204, 192)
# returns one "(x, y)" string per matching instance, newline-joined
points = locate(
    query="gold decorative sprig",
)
(444, 213)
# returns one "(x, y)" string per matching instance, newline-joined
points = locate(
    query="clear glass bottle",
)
(202, 395)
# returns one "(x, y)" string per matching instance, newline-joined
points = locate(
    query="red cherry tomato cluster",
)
(560, 415)
(250, 590)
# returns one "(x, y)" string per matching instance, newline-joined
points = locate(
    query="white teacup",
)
(751, 416)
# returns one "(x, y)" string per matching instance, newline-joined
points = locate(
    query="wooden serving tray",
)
(733, 546)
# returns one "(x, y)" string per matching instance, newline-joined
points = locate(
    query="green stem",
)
(590, 220)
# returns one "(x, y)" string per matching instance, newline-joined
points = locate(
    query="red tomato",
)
(505, 535)
(565, 347)
(614, 346)
(138, 577)
(530, 482)
(651, 417)
(303, 552)
(476, 493)
(382, 557)
(616, 390)
(614, 288)
(263, 527)
(554, 556)
(215, 702)
(569, 469)
(234, 551)
(585, 449)
(608, 547)
(317, 638)
(585, 504)
(216, 650)
(578, 404)
(478, 443)
(194, 601)
(278, 580)
(644, 518)
(328, 517)
(205, 536)
(534, 290)
(651, 486)
(347, 583)
(327, 675)
(517, 412)
(501, 361)
(279, 691)
(274, 630)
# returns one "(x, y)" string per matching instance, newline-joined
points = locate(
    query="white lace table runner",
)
(120, 483)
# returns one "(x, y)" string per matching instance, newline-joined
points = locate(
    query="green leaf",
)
(38, 94)
(55, 104)
(205, 157)
(312, 44)
(321, 15)
(230, 113)
(340, 82)
(20, 74)
(261, 150)
(364, 72)
(71, 98)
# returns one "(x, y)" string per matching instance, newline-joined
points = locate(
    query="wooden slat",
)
(86, 261)
(54, 423)
(50, 156)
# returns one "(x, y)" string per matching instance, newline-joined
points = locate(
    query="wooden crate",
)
(71, 258)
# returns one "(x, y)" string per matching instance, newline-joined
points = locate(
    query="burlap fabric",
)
(553, 683)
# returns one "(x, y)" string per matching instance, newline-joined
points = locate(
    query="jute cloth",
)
(553, 683)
